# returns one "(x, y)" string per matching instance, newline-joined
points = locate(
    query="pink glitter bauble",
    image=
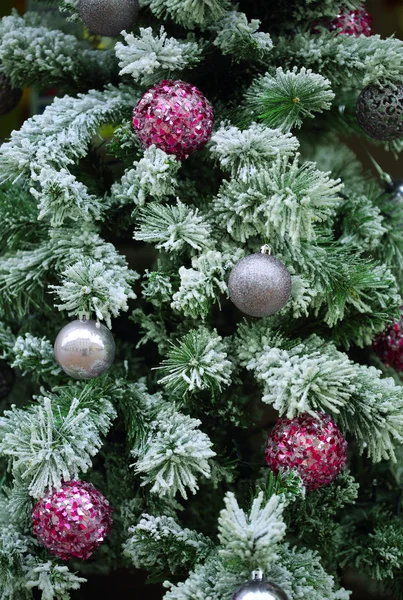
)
(175, 116)
(388, 345)
(72, 521)
(314, 447)
(354, 22)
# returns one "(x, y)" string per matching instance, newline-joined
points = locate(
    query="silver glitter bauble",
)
(85, 349)
(259, 590)
(380, 112)
(108, 17)
(259, 285)
(9, 96)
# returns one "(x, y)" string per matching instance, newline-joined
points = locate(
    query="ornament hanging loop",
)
(257, 575)
(265, 249)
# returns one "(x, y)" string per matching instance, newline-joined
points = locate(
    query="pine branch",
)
(174, 452)
(197, 362)
(245, 153)
(153, 175)
(89, 286)
(173, 228)
(159, 543)
(285, 99)
(241, 39)
(148, 58)
(283, 201)
(189, 13)
(41, 57)
(34, 356)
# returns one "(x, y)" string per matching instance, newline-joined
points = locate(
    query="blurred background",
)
(387, 20)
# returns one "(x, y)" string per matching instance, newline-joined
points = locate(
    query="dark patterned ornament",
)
(259, 285)
(108, 17)
(6, 379)
(174, 116)
(73, 520)
(388, 346)
(352, 22)
(85, 349)
(314, 447)
(259, 589)
(9, 96)
(380, 112)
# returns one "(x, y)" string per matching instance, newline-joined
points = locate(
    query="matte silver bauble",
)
(380, 112)
(259, 590)
(85, 349)
(108, 17)
(9, 96)
(259, 285)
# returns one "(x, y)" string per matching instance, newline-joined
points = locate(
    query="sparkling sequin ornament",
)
(175, 116)
(314, 447)
(352, 22)
(259, 588)
(9, 96)
(108, 17)
(380, 112)
(259, 285)
(72, 521)
(85, 349)
(388, 345)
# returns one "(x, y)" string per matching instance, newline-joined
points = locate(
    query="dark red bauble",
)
(388, 345)
(354, 22)
(314, 447)
(73, 520)
(175, 116)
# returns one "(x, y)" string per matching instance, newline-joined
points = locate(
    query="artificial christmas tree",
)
(169, 155)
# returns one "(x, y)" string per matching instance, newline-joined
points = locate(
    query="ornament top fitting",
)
(258, 588)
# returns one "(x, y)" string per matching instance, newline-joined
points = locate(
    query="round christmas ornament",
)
(85, 349)
(388, 345)
(6, 379)
(352, 22)
(175, 116)
(9, 96)
(108, 17)
(259, 285)
(259, 589)
(380, 112)
(314, 447)
(72, 521)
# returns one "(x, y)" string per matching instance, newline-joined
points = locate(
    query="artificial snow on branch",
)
(90, 286)
(197, 362)
(244, 153)
(189, 13)
(153, 175)
(241, 39)
(41, 57)
(172, 228)
(173, 454)
(151, 57)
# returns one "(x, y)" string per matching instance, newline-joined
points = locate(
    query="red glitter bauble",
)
(72, 521)
(314, 447)
(175, 116)
(354, 22)
(389, 346)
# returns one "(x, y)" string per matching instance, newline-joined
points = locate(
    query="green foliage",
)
(189, 13)
(149, 58)
(172, 228)
(241, 39)
(285, 99)
(197, 362)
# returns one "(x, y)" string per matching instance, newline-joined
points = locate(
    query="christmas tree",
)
(200, 300)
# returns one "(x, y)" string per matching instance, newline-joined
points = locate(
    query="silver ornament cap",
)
(259, 285)
(259, 589)
(85, 349)
(108, 17)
